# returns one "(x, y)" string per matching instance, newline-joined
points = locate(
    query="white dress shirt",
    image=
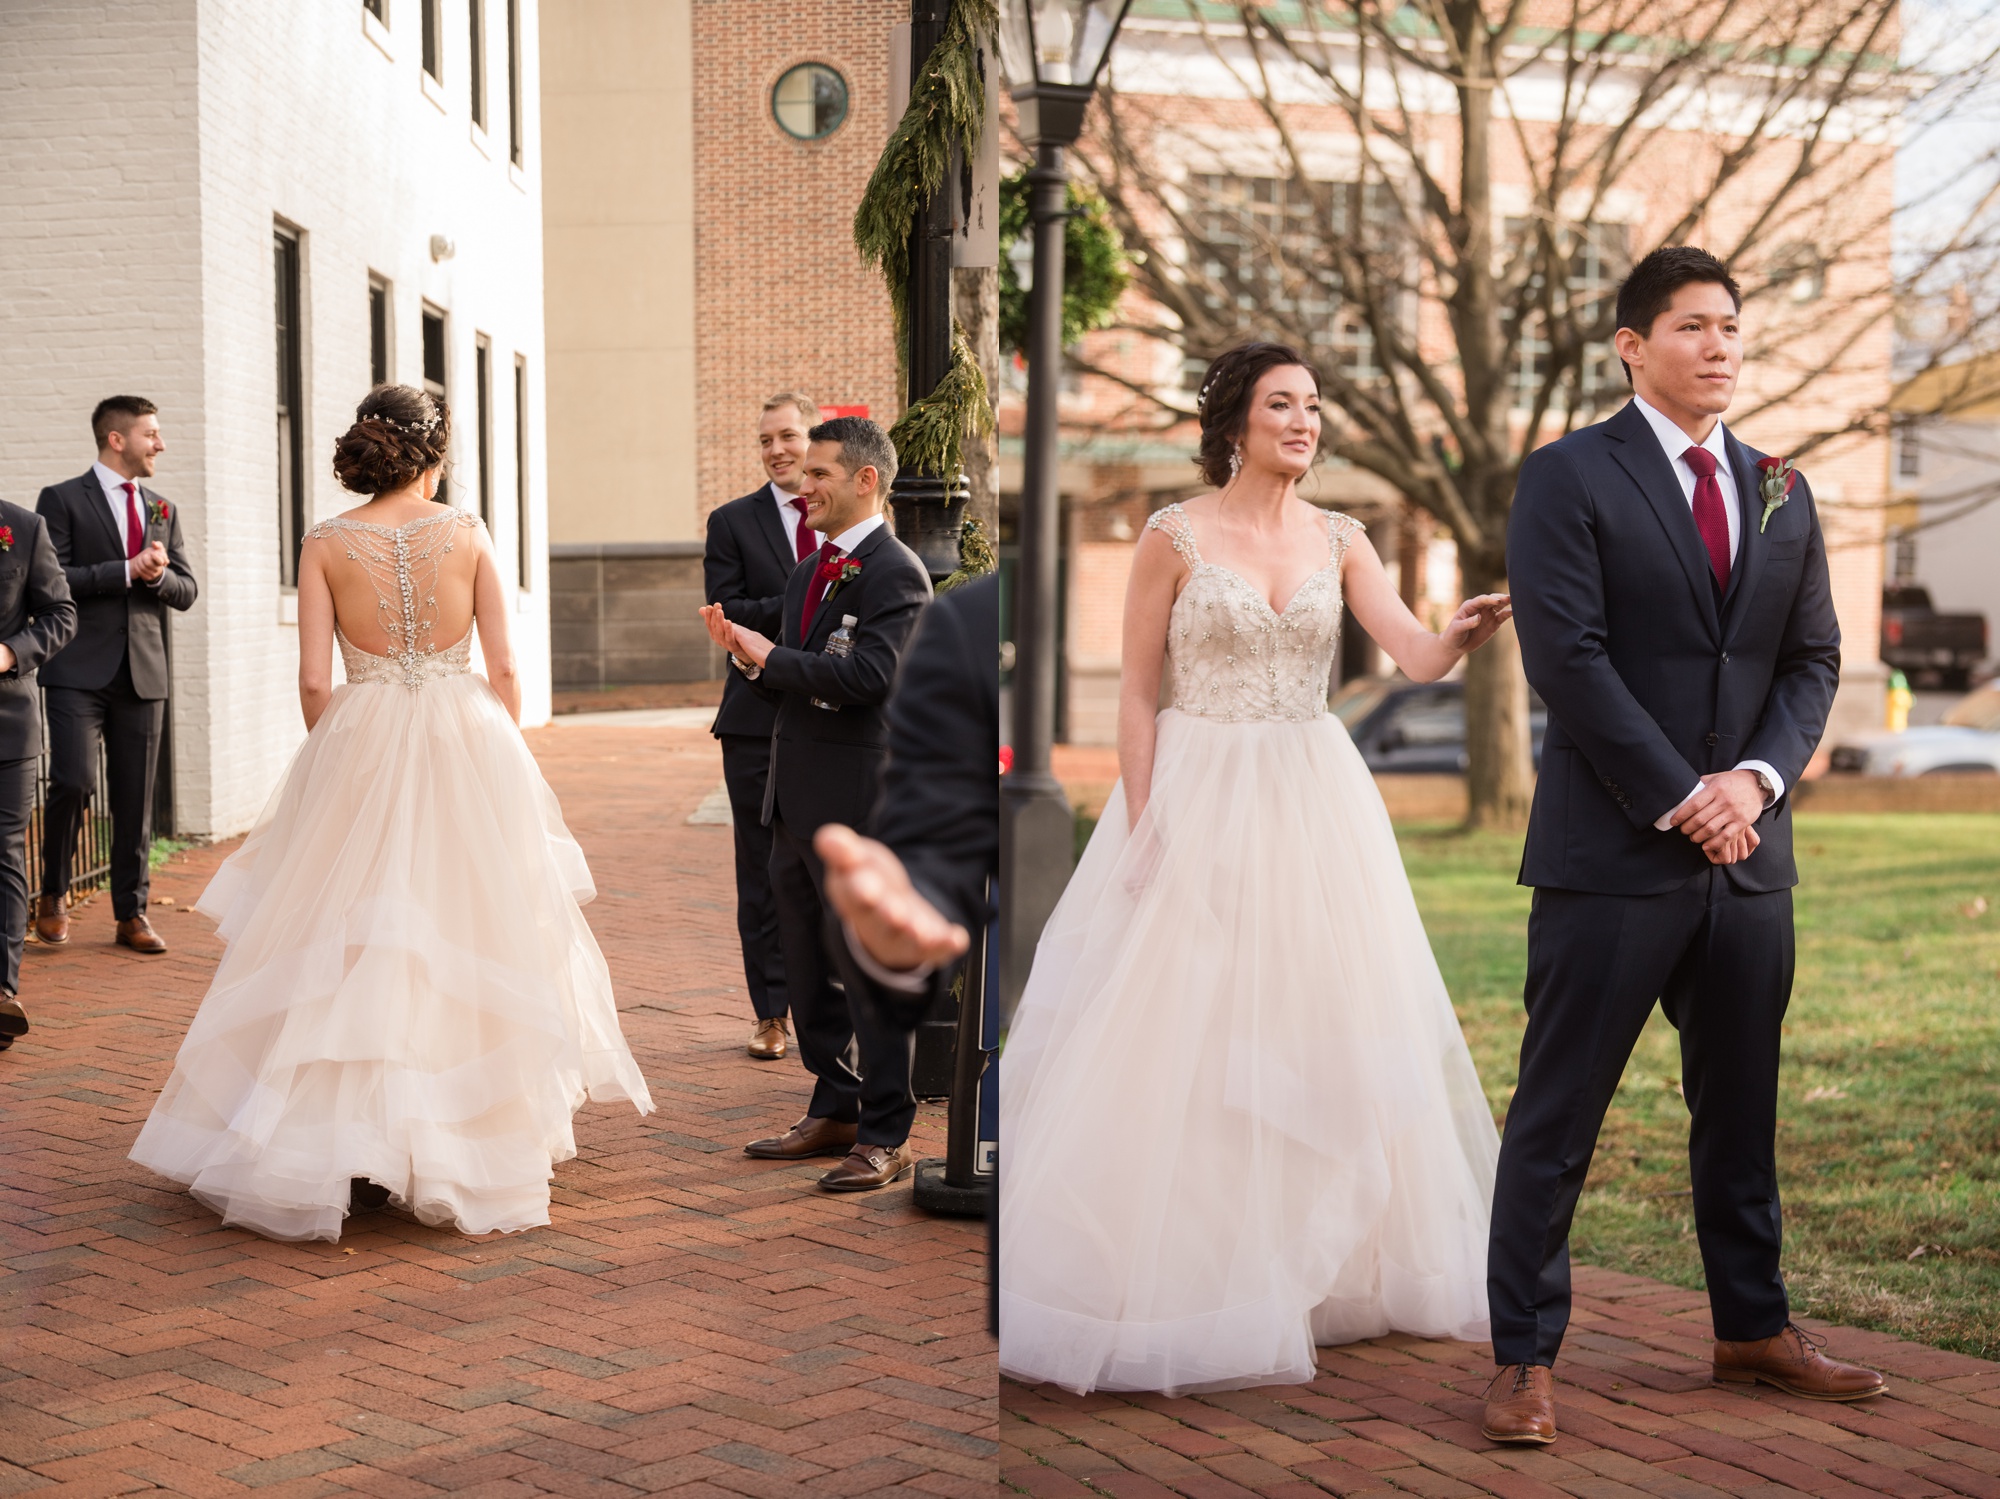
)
(1675, 443)
(114, 492)
(791, 518)
(852, 537)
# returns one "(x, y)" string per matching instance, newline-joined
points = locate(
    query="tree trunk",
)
(1500, 773)
(975, 302)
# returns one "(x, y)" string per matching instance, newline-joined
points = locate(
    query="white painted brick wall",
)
(145, 149)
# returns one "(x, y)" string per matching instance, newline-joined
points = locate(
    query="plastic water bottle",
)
(840, 643)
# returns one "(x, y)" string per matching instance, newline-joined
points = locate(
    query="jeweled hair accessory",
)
(416, 429)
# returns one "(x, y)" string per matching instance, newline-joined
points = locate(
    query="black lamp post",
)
(1052, 52)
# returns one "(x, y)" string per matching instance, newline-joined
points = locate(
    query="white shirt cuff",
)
(1666, 823)
(907, 981)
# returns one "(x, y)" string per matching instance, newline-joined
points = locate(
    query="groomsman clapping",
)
(845, 621)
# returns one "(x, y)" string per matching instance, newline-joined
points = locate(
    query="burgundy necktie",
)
(816, 589)
(1710, 518)
(135, 529)
(803, 536)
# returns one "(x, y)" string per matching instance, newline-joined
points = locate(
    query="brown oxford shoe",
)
(809, 1137)
(767, 1040)
(137, 933)
(1521, 1405)
(51, 920)
(1792, 1361)
(868, 1167)
(13, 1019)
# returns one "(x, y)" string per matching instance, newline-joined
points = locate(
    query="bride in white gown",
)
(411, 1007)
(1238, 1114)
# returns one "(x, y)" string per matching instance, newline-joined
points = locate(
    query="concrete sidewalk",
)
(692, 1322)
(1637, 1411)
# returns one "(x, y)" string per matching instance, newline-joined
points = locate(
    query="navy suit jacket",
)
(114, 622)
(826, 766)
(1652, 675)
(745, 564)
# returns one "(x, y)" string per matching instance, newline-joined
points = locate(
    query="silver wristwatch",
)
(1764, 785)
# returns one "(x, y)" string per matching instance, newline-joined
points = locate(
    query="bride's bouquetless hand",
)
(1477, 621)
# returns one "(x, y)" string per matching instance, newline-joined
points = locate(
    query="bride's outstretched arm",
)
(1424, 657)
(1149, 601)
(490, 615)
(315, 634)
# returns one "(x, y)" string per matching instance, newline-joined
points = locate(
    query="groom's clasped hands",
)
(1721, 815)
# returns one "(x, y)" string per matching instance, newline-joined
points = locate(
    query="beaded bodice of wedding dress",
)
(1229, 656)
(402, 564)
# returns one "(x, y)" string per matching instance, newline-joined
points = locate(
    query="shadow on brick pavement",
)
(691, 1322)
(1637, 1412)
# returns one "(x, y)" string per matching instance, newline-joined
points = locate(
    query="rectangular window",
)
(521, 469)
(477, 75)
(291, 407)
(482, 380)
(375, 8)
(431, 24)
(514, 146)
(434, 369)
(1599, 260)
(378, 331)
(1909, 456)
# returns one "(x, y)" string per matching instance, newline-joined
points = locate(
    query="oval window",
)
(810, 101)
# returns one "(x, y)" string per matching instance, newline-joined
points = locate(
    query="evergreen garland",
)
(947, 108)
(1095, 269)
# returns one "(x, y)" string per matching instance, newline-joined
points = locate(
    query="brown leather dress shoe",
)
(868, 1167)
(51, 920)
(137, 933)
(809, 1137)
(1792, 1361)
(767, 1040)
(13, 1019)
(1521, 1405)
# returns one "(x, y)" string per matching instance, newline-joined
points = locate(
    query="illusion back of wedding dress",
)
(418, 596)
(1229, 655)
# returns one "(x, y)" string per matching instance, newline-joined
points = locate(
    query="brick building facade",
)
(172, 174)
(700, 258)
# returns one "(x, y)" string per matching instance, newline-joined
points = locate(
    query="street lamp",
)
(1051, 52)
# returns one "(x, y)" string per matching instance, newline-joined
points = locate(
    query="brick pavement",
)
(691, 1322)
(1637, 1412)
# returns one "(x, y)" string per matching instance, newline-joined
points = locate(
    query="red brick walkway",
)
(691, 1322)
(1637, 1411)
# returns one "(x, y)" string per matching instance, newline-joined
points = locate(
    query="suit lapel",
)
(772, 529)
(1639, 453)
(795, 604)
(1753, 543)
(826, 618)
(94, 501)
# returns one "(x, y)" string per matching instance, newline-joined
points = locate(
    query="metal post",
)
(1037, 828)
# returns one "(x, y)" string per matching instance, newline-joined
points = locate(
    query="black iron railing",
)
(90, 865)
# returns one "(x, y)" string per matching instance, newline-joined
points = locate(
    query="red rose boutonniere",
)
(159, 512)
(6, 538)
(1775, 478)
(836, 571)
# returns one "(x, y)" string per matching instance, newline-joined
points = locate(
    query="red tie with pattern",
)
(803, 535)
(135, 529)
(829, 567)
(1710, 518)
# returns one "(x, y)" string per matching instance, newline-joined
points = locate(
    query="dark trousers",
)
(1720, 963)
(861, 1060)
(129, 727)
(17, 795)
(746, 766)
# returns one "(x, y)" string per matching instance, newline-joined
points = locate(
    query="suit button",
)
(1725, 658)
(1712, 739)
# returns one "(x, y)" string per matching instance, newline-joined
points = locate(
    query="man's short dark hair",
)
(116, 414)
(862, 445)
(1649, 290)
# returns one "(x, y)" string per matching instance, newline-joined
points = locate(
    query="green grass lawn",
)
(1889, 1112)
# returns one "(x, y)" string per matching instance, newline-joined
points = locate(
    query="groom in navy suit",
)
(1670, 590)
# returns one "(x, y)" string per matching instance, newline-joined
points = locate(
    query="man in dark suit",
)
(754, 545)
(37, 619)
(827, 750)
(1670, 590)
(119, 543)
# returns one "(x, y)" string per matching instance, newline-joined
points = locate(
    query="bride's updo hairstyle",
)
(398, 433)
(1224, 402)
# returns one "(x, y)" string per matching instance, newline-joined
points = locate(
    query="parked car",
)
(1928, 646)
(1965, 742)
(1415, 727)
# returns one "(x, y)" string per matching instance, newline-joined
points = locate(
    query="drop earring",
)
(1236, 460)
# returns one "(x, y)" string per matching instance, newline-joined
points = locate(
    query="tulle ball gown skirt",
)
(410, 991)
(1238, 1114)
